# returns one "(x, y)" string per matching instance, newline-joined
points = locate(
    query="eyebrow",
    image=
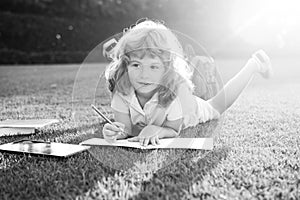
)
(134, 61)
(154, 63)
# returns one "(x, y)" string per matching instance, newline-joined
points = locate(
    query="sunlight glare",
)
(260, 22)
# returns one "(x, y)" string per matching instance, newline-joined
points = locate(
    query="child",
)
(152, 91)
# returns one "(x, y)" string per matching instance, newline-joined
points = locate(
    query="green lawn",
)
(256, 152)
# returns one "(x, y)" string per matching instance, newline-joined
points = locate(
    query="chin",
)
(146, 91)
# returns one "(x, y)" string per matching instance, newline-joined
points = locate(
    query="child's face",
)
(145, 74)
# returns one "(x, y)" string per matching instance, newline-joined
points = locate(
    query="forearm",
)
(135, 130)
(165, 132)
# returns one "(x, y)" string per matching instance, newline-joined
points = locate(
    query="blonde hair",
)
(152, 39)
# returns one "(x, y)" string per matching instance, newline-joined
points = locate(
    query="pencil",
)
(106, 119)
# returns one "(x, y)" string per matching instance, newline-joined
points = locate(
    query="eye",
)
(135, 65)
(154, 67)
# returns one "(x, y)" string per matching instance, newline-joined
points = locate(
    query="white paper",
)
(167, 143)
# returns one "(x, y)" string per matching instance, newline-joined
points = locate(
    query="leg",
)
(234, 87)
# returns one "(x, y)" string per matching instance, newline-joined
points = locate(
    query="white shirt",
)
(193, 111)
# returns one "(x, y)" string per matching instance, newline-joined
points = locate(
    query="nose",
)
(144, 73)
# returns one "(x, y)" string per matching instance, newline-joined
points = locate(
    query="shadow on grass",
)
(41, 177)
(175, 180)
(171, 182)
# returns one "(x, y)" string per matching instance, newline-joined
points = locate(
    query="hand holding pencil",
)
(111, 130)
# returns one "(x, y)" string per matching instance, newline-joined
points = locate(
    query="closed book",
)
(27, 123)
(22, 127)
(43, 148)
(16, 131)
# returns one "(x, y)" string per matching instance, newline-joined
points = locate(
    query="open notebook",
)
(21, 127)
(43, 148)
(167, 143)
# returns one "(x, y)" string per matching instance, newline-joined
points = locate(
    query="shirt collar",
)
(133, 102)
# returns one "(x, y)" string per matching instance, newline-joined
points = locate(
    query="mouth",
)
(145, 83)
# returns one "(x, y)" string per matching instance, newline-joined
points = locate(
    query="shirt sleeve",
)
(184, 105)
(174, 111)
(205, 111)
(119, 104)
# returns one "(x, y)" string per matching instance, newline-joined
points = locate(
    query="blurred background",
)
(65, 31)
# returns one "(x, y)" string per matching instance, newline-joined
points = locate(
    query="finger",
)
(111, 140)
(108, 126)
(120, 126)
(109, 133)
(141, 140)
(134, 139)
(113, 127)
(146, 142)
(157, 140)
(110, 136)
(153, 140)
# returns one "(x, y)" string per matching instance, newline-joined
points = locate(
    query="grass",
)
(256, 153)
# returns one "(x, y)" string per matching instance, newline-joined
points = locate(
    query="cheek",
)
(160, 75)
(132, 75)
(157, 78)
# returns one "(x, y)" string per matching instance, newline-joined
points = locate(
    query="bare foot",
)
(264, 63)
